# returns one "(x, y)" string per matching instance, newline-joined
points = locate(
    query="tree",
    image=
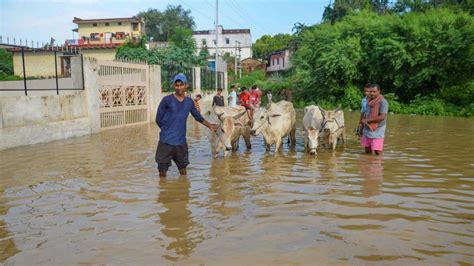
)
(203, 56)
(6, 62)
(162, 25)
(267, 44)
(415, 53)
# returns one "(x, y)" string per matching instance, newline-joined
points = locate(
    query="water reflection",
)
(7, 245)
(177, 219)
(224, 193)
(372, 174)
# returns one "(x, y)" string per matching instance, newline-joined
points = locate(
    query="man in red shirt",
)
(245, 101)
(255, 97)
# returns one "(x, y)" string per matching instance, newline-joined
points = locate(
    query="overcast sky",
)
(39, 20)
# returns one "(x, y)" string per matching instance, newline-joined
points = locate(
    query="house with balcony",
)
(100, 38)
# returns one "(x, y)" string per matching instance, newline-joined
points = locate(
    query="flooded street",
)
(98, 199)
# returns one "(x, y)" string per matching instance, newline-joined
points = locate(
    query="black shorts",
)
(166, 152)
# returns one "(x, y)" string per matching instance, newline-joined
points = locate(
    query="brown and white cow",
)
(229, 129)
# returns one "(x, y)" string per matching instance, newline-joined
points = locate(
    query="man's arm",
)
(160, 112)
(376, 119)
(361, 117)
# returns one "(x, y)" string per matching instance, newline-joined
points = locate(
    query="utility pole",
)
(240, 60)
(237, 65)
(217, 40)
(235, 58)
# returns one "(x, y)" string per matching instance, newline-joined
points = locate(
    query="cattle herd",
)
(275, 122)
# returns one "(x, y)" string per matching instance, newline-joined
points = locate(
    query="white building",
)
(279, 61)
(229, 41)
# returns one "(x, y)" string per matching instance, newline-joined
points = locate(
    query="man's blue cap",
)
(180, 77)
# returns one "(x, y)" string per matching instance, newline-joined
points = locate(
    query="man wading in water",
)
(375, 120)
(171, 117)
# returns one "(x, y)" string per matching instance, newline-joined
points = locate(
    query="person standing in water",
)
(171, 118)
(374, 121)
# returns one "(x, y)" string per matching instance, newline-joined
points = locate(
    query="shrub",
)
(352, 97)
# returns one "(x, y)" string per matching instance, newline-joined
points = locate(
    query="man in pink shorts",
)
(375, 121)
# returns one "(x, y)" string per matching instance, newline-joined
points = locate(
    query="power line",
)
(195, 9)
(239, 14)
(243, 13)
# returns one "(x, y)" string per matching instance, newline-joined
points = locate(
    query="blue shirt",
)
(171, 117)
(363, 104)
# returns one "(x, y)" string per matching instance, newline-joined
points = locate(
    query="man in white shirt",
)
(232, 97)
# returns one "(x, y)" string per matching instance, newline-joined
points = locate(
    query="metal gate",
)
(123, 94)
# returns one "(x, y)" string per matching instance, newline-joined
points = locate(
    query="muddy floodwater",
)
(98, 199)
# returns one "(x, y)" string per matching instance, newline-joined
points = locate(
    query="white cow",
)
(226, 118)
(312, 125)
(275, 122)
(333, 127)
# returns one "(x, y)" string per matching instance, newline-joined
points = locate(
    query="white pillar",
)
(91, 87)
(154, 87)
(197, 80)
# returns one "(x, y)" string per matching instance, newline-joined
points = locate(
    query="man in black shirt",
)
(218, 99)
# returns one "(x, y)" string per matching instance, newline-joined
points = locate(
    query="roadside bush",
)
(352, 97)
(393, 104)
(250, 79)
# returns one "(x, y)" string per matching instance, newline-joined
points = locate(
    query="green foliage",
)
(6, 62)
(203, 56)
(393, 103)
(460, 95)
(163, 25)
(430, 54)
(251, 78)
(267, 44)
(352, 97)
(181, 51)
(426, 106)
(4, 77)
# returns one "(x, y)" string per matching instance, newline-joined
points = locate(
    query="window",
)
(135, 26)
(278, 61)
(119, 23)
(214, 41)
(94, 25)
(120, 35)
(204, 42)
(94, 36)
(107, 24)
(227, 41)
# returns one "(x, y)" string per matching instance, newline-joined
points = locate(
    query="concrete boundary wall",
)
(44, 116)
